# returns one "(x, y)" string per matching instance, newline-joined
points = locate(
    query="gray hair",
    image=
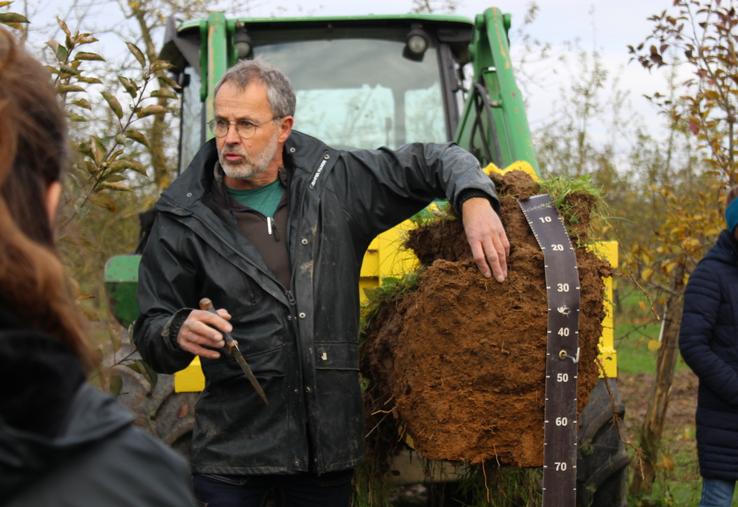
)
(279, 90)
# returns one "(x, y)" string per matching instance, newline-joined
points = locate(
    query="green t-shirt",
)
(264, 199)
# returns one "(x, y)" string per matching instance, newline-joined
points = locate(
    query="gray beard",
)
(250, 166)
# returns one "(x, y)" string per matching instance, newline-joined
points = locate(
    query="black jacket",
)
(301, 341)
(709, 344)
(64, 443)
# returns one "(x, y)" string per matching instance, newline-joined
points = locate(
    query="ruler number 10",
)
(545, 220)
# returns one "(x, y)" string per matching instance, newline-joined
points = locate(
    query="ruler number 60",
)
(562, 421)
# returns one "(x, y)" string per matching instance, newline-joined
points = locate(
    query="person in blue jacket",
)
(708, 341)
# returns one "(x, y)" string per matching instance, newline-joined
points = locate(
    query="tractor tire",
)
(602, 460)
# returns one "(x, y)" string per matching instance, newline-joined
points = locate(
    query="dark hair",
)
(32, 156)
(279, 90)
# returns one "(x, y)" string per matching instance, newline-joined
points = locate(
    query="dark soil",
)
(459, 363)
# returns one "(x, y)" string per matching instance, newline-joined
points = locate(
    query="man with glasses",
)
(272, 225)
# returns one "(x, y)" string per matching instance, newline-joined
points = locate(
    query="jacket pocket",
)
(337, 356)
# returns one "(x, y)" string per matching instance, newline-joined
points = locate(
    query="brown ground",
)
(460, 361)
(636, 389)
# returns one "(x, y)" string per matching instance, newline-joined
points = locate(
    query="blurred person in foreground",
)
(708, 341)
(62, 442)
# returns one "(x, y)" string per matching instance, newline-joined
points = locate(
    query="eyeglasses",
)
(244, 128)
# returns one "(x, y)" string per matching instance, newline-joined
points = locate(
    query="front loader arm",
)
(493, 125)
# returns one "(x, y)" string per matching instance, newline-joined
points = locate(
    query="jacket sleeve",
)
(383, 187)
(701, 305)
(167, 281)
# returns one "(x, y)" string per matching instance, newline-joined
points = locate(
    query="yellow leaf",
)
(669, 266)
(149, 110)
(87, 56)
(646, 274)
(115, 185)
(113, 103)
(137, 53)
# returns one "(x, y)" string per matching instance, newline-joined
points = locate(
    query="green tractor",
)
(365, 82)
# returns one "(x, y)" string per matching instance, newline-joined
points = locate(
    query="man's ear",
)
(53, 195)
(285, 128)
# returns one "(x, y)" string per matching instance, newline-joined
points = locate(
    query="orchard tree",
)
(699, 36)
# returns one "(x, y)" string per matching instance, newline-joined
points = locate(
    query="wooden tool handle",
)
(207, 305)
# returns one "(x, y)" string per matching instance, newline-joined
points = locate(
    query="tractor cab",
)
(360, 82)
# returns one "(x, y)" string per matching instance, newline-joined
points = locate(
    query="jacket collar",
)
(725, 249)
(301, 153)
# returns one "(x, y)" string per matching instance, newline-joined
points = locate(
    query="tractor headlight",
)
(416, 43)
(242, 44)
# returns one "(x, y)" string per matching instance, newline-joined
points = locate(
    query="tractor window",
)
(192, 119)
(362, 92)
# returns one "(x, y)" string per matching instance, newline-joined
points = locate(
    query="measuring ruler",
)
(562, 352)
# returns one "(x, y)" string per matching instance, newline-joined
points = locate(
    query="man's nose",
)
(232, 136)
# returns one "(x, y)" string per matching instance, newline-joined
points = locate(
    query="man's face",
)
(254, 161)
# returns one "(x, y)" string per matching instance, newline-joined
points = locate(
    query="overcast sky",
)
(606, 26)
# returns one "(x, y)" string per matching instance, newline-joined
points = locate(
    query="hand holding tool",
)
(207, 305)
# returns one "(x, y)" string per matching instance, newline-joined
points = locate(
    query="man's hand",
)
(486, 237)
(200, 334)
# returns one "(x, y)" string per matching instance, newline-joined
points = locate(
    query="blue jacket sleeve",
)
(701, 304)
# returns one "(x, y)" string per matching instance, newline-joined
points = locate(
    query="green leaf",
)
(137, 53)
(130, 86)
(77, 118)
(83, 103)
(87, 56)
(69, 88)
(164, 93)
(116, 185)
(104, 201)
(12, 17)
(123, 164)
(170, 82)
(89, 79)
(64, 28)
(86, 38)
(97, 149)
(116, 383)
(138, 136)
(113, 103)
(66, 69)
(112, 178)
(149, 110)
